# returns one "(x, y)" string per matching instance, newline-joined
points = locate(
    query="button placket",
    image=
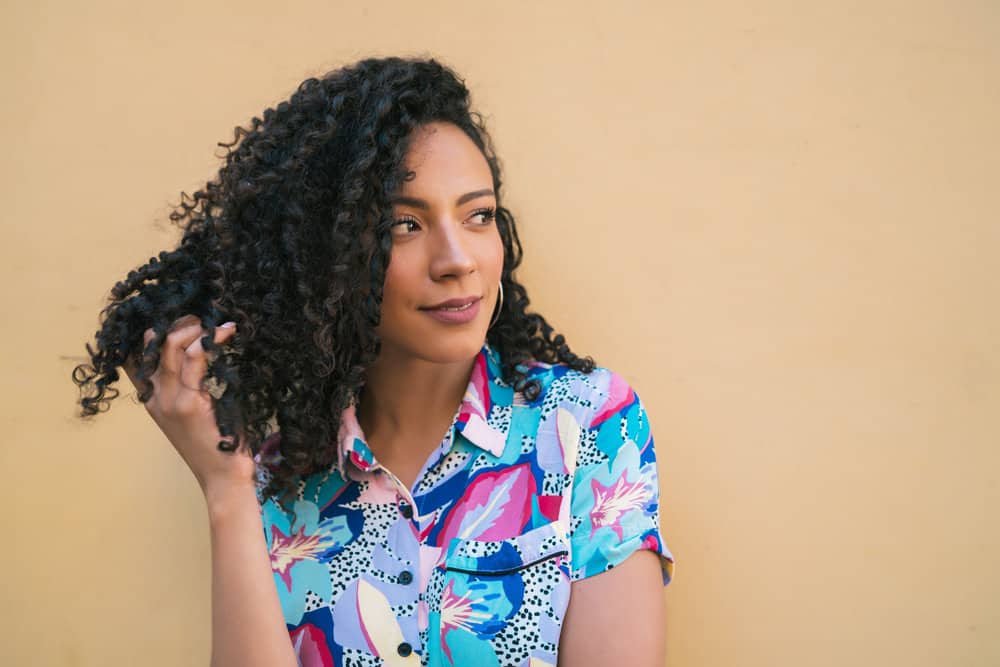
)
(406, 503)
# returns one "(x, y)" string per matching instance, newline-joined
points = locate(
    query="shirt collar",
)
(486, 388)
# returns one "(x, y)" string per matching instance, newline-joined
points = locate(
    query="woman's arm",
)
(617, 617)
(248, 627)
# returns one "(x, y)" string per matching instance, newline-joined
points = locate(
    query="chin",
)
(448, 347)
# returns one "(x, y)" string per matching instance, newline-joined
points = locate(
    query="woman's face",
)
(446, 247)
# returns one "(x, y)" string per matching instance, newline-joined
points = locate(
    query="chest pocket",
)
(500, 601)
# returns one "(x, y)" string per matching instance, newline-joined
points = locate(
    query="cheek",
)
(398, 277)
(390, 289)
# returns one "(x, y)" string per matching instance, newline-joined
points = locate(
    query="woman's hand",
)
(182, 408)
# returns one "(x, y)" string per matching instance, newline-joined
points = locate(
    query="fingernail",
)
(228, 325)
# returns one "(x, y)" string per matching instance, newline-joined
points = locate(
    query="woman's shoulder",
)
(600, 392)
(561, 374)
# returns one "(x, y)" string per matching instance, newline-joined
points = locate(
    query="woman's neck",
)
(407, 404)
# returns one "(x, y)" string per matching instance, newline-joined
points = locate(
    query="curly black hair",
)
(291, 241)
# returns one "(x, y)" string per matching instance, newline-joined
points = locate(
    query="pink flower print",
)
(612, 502)
(287, 550)
(458, 613)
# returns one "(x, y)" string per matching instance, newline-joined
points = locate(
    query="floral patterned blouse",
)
(473, 565)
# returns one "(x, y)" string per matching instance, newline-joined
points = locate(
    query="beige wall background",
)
(779, 220)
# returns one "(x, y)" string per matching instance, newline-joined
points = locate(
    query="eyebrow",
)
(420, 203)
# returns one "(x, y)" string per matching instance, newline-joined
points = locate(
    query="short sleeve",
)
(615, 495)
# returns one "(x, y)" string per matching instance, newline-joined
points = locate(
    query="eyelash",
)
(488, 213)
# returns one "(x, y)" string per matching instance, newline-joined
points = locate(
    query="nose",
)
(451, 256)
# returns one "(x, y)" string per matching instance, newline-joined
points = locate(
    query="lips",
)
(455, 312)
(453, 303)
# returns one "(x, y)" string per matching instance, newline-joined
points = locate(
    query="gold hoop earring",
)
(499, 305)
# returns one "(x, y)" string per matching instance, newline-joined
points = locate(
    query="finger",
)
(179, 339)
(196, 359)
(184, 321)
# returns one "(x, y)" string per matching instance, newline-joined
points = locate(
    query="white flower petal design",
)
(381, 626)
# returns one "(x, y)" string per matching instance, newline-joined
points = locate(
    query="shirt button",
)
(404, 649)
(405, 577)
(407, 510)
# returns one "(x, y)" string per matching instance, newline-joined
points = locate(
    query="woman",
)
(349, 276)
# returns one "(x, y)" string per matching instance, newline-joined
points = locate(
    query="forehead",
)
(444, 160)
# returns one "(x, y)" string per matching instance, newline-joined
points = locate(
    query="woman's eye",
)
(486, 215)
(406, 224)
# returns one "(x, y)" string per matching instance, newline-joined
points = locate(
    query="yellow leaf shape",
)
(569, 438)
(382, 627)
